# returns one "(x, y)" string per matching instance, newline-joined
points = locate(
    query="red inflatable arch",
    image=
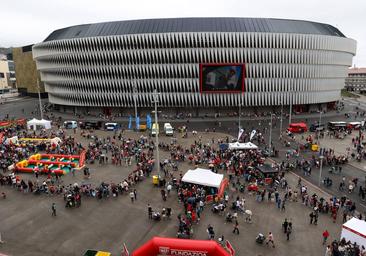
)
(180, 247)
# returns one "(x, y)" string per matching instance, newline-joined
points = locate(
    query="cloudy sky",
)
(30, 21)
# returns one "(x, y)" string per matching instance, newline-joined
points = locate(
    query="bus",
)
(297, 128)
(336, 126)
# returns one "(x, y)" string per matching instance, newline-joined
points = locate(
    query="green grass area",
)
(345, 93)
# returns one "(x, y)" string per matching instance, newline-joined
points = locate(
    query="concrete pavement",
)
(29, 229)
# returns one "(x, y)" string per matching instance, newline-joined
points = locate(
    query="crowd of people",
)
(138, 155)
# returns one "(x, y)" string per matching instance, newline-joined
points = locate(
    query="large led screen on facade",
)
(222, 77)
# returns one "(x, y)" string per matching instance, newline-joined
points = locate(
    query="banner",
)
(130, 122)
(240, 133)
(148, 121)
(137, 123)
(230, 248)
(252, 134)
(125, 251)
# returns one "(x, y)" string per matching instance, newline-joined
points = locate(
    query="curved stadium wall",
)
(107, 70)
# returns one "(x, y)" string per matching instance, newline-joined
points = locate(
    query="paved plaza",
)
(28, 228)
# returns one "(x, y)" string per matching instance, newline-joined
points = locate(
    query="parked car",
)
(111, 126)
(168, 129)
(316, 127)
(155, 129)
(96, 125)
(70, 124)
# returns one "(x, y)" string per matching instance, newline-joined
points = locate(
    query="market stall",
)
(35, 124)
(267, 170)
(204, 177)
(242, 146)
(209, 179)
(354, 230)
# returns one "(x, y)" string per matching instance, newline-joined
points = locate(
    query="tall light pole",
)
(320, 122)
(156, 101)
(281, 120)
(270, 136)
(320, 170)
(135, 101)
(39, 99)
(240, 103)
(290, 116)
(239, 115)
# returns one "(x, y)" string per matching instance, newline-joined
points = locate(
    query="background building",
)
(26, 72)
(282, 62)
(356, 80)
(7, 73)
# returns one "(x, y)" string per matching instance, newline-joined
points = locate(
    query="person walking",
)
(270, 239)
(283, 208)
(311, 215)
(149, 211)
(325, 236)
(168, 189)
(163, 194)
(285, 225)
(288, 232)
(1, 240)
(132, 196)
(53, 208)
(211, 232)
(236, 227)
(279, 203)
(135, 194)
(328, 251)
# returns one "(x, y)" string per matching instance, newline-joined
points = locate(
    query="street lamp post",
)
(156, 94)
(290, 114)
(270, 136)
(321, 169)
(281, 120)
(239, 115)
(39, 99)
(135, 101)
(320, 122)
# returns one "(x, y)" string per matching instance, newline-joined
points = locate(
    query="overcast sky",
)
(31, 21)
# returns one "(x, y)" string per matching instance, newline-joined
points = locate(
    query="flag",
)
(137, 123)
(240, 133)
(148, 121)
(125, 251)
(252, 134)
(130, 122)
(230, 248)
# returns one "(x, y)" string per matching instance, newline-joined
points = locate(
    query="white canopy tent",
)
(35, 123)
(354, 230)
(238, 145)
(203, 177)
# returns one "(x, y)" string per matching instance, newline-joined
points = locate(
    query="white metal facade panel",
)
(280, 68)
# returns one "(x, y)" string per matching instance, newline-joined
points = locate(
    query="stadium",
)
(195, 62)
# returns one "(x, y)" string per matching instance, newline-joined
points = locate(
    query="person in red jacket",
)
(325, 236)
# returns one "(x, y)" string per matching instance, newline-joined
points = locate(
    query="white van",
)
(155, 129)
(70, 124)
(111, 126)
(168, 129)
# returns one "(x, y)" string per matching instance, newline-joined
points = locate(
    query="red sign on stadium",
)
(222, 78)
